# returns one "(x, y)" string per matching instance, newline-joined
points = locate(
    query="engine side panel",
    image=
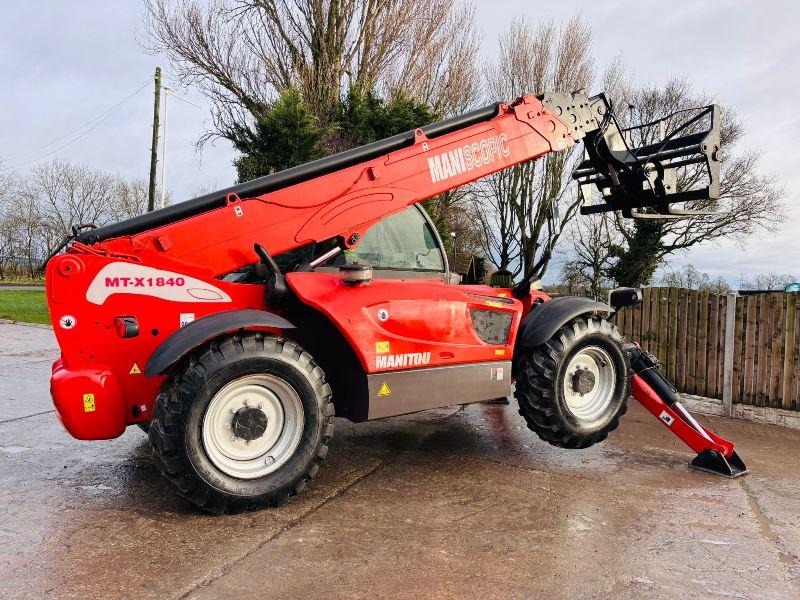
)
(408, 391)
(404, 324)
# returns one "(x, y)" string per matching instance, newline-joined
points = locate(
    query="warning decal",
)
(385, 390)
(88, 403)
(135, 370)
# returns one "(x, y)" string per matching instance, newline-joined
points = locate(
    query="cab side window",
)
(404, 241)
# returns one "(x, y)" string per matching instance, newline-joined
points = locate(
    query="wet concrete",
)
(449, 503)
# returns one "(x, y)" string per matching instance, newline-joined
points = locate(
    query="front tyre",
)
(573, 389)
(244, 423)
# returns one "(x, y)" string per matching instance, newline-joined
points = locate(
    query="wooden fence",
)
(686, 330)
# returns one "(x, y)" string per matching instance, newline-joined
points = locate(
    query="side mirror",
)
(624, 298)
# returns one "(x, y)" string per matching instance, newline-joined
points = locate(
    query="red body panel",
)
(94, 356)
(425, 317)
(88, 401)
(427, 323)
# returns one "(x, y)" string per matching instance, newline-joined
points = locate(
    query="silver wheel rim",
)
(592, 404)
(251, 459)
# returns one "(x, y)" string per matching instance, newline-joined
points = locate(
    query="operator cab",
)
(404, 245)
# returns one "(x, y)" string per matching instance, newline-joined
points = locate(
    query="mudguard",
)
(542, 322)
(189, 337)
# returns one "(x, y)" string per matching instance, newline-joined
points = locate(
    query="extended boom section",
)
(344, 194)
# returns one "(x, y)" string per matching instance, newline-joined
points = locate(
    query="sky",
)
(62, 64)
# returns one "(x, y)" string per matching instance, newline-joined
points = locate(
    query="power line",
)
(94, 122)
(77, 129)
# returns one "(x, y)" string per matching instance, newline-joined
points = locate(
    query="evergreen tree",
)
(286, 135)
(638, 262)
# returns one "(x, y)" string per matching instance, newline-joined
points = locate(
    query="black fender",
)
(190, 336)
(542, 322)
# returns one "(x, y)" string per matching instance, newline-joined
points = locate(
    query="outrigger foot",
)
(715, 462)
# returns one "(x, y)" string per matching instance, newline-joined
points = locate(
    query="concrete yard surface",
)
(451, 503)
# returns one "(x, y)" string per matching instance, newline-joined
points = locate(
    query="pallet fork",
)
(715, 454)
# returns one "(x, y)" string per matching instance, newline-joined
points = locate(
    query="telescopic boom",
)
(344, 194)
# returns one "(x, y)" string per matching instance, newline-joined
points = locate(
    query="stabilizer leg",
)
(714, 453)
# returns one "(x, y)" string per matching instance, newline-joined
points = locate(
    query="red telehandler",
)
(232, 324)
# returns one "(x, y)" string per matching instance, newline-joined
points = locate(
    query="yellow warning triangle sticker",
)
(384, 391)
(135, 370)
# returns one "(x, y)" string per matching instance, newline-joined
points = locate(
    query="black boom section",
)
(282, 179)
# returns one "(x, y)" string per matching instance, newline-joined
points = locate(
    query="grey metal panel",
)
(392, 273)
(421, 389)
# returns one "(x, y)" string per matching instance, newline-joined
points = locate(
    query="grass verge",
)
(29, 306)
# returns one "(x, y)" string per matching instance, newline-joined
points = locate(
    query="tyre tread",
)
(535, 381)
(169, 410)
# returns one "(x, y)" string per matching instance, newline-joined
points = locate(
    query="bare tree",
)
(242, 53)
(130, 199)
(39, 210)
(68, 195)
(749, 201)
(498, 226)
(769, 281)
(691, 278)
(439, 68)
(593, 239)
(457, 221)
(526, 207)
(24, 234)
(718, 286)
(687, 277)
(573, 278)
(18, 225)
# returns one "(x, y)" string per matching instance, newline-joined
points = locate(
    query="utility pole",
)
(164, 152)
(151, 193)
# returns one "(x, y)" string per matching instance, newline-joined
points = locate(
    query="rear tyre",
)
(243, 423)
(573, 389)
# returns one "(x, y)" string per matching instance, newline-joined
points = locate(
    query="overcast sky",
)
(64, 63)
